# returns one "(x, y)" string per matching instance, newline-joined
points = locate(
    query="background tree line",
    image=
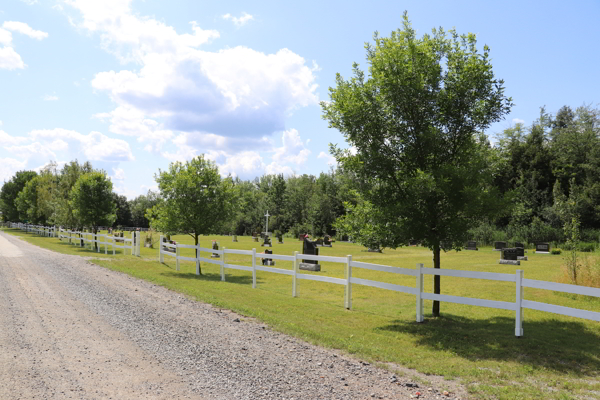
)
(547, 173)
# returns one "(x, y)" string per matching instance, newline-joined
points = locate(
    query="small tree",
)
(92, 202)
(195, 200)
(416, 124)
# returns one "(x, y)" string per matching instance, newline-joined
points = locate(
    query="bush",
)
(586, 247)
(555, 251)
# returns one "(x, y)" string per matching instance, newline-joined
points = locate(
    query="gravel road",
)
(73, 330)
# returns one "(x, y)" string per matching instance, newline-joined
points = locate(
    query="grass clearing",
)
(558, 357)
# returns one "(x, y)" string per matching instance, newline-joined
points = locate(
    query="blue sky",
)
(134, 85)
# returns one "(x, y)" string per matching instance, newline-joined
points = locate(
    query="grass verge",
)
(558, 357)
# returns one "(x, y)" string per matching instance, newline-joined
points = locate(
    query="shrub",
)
(586, 247)
(555, 251)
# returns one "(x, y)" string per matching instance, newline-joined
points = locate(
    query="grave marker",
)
(309, 247)
(542, 248)
(472, 245)
(509, 256)
(498, 246)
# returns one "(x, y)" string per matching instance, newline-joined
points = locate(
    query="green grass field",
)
(558, 357)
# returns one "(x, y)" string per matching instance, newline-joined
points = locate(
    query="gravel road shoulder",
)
(72, 329)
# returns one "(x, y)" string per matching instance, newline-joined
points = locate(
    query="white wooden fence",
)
(74, 237)
(418, 273)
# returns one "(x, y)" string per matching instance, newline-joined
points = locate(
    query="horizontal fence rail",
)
(219, 257)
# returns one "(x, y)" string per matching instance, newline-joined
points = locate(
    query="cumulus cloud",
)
(239, 21)
(232, 92)
(517, 121)
(9, 58)
(293, 150)
(24, 29)
(9, 166)
(329, 159)
(8, 140)
(49, 98)
(118, 174)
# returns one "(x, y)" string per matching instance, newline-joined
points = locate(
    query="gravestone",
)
(327, 241)
(215, 246)
(472, 245)
(344, 238)
(509, 256)
(519, 244)
(301, 237)
(542, 248)
(169, 249)
(280, 238)
(234, 238)
(148, 242)
(319, 242)
(267, 242)
(413, 243)
(268, 261)
(498, 246)
(521, 254)
(309, 247)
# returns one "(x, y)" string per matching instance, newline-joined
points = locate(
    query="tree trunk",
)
(436, 280)
(196, 244)
(95, 238)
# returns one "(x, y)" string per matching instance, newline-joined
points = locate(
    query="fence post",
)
(419, 288)
(133, 243)
(160, 254)
(114, 243)
(197, 260)
(518, 304)
(223, 266)
(253, 268)
(294, 279)
(138, 250)
(177, 257)
(348, 294)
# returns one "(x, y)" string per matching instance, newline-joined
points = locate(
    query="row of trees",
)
(420, 167)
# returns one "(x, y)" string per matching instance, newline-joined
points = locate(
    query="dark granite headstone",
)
(280, 238)
(267, 242)
(519, 245)
(327, 241)
(309, 247)
(498, 246)
(472, 245)
(215, 246)
(542, 248)
(509, 256)
(268, 261)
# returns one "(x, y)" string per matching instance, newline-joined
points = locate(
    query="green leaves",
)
(91, 200)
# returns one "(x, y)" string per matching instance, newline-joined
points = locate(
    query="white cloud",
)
(239, 21)
(293, 149)
(245, 164)
(9, 59)
(8, 168)
(95, 146)
(5, 37)
(517, 121)
(232, 92)
(48, 97)
(6, 139)
(275, 169)
(30, 2)
(24, 29)
(118, 174)
(329, 159)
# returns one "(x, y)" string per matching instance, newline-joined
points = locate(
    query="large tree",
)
(416, 124)
(195, 200)
(10, 191)
(92, 202)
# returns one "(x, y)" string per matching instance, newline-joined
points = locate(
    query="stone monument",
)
(542, 248)
(215, 246)
(509, 256)
(472, 245)
(268, 261)
(309, 247)
(498, 246)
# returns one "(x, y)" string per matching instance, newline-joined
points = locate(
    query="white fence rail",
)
(132, 244)
(418, 273)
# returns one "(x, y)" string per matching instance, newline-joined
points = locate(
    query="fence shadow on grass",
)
(562, 346)
(242, 279)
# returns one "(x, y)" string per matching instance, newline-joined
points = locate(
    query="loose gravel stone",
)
(72, 329)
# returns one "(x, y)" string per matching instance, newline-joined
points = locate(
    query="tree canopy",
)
(416, 124)
(194, 198)
(92, 201)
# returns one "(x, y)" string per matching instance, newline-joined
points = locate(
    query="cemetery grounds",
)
(557, 358)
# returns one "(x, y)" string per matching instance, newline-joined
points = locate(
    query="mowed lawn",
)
(558, 357)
